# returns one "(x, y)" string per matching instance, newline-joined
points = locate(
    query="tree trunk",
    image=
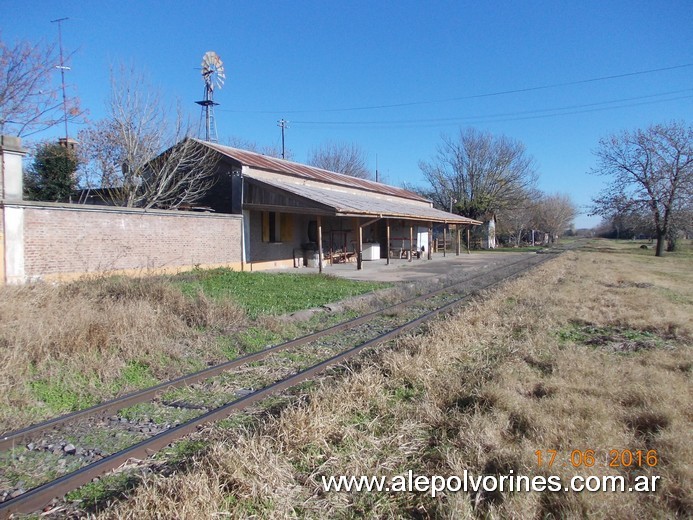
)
(671, 244)
(660, 244)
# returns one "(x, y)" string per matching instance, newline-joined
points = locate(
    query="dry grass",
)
(73, 343)
(507, 376)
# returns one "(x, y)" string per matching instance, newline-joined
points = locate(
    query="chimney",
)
(69, 143)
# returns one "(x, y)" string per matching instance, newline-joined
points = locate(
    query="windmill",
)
(213, 76)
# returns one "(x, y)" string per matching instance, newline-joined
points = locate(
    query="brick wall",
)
(67, 240)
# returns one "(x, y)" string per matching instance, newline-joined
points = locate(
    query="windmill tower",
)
(213, 76)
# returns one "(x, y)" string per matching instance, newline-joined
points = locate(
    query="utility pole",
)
(62, 68)
(283, 124)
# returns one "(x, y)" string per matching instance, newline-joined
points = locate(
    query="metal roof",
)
(272, 164)
(356, 204)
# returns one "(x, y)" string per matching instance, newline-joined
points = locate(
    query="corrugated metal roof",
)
(264, 162)
(350, 203)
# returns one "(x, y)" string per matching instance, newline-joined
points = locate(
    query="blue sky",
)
(393, 76)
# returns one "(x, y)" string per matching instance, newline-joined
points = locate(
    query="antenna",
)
(377, 178)
(213, 75)
(283, 124)
(62, 68)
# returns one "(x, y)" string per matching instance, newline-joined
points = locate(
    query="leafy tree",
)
(138, 157)
(52, 174)
(480, 173)
(346, 158)
(650, 170)
(29, 103)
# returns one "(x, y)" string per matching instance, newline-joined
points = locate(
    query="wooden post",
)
(359, 247)
(468, 239)
(445, 239)
(430, 240)
(411, 242)
(457, 248)
(387, 246)
(319, 244)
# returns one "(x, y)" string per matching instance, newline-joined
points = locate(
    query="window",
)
(276, 227)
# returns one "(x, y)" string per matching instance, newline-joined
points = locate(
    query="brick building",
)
(266, 213)
(293, 211)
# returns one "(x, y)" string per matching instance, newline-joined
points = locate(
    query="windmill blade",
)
(213, 70)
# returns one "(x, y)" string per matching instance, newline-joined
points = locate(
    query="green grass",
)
(63, 394)
(406, 393)
(228, 346)
(589, 335)
(108, 487)
(136, 374)
(67, 391)
(181, 452)
(272, 293)
(255, 339)
(237, 420)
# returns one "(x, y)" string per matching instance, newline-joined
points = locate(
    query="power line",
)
(472, 96)
(525, 114)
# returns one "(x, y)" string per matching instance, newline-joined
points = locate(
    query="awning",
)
(366, 204)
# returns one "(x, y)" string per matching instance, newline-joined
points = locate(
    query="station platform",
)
(402, 270)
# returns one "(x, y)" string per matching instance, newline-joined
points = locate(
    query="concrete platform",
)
(437, 268)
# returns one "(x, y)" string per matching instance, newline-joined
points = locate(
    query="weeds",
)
(475, 395)
(103, 490)
(66, 347)
(617, 339)
(61, 395)
(148, 412)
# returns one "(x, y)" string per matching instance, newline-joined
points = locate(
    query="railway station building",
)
(261, 213)
(296, 215)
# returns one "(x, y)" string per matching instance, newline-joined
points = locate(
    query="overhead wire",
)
(468, 97)
(510, 116)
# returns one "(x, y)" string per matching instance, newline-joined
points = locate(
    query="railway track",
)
(218, 391)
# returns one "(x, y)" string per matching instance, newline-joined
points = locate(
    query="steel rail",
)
(37, 498)
(14, 438)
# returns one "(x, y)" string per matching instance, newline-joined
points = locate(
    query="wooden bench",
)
(341, 256)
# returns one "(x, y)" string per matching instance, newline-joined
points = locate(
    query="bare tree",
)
(554, 214)
(347, 158)
(516, 220)
(137, 157)
(649, 169)
(270, 151)
(480, 173)
(29, 103)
